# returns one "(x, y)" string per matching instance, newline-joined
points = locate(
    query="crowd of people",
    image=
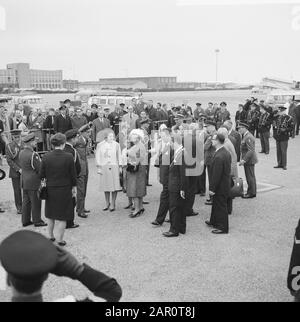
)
(50, 149)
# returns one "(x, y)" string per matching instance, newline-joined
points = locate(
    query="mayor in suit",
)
(130, 118)
(165, 155)
(58, 169)
(249, 159)
(30, 164)
(219, 186)
(62, 123)
(99, 124)
(177, 187)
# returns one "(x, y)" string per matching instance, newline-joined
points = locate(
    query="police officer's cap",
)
(28, 138)
(223, 104)
(15, 132)
(242, 124)
(122, 104)
(71, 134)
(63, 107)
(94, 106)
(282, 108)
(67, 101)
(27, 254)
(198, 104)
(180, 115)
(210, 122)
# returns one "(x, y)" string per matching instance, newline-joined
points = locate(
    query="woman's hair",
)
(138, 133)
(58, 139)
(106, 135)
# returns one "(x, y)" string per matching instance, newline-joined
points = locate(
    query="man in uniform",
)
(72, 137)
(210, 112)
(26, 275)
(253, 118)
(115, 118)
(249, 159)
(264, 127)
(30, 164)
(222, 115)
(81, 147)
(283, 129)
(13, 150)
(198, 111)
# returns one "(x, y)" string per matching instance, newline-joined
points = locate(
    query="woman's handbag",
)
(237, 188)
(2, 174)
(132, 168)
(42, 192)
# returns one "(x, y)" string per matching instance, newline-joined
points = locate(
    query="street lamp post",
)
(217, 51)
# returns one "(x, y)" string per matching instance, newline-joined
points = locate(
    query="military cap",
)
(28, 138)
(198, 104)
(78, 109)
(180, 115)
(282, 108)
(223, 104)
(122, 104)
(106, 109)
(67, 101)
(211, 122)
(15, 132)
(94, 106)
(63, 107)
(27, 254)
(242, 124)
(71, 134)
(144, 122)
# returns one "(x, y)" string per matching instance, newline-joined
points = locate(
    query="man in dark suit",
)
(264, 127)
(62, 122)
(177, 187)
(72, 137)
(30, 164)
(235, 138)
(99, 124)
(115, 118)
(249, 159)
(12, 152)
(163, 162)
(219, 186)
(48, 128)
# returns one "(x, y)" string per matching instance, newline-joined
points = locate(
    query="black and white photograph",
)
(150, 153)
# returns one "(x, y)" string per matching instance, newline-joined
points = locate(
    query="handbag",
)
(237, 188)
(42, 192)
(132, 168)
(2, 174)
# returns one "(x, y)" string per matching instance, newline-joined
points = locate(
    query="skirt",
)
(110, 179)
(136, 183)
(59, 204)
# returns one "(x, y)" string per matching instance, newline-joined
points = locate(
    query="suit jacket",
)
(70, 149)
(78, 122)
(58, 168)
(219, 182)
(12, 152)
(248, 149)
(99, 126)
(197, 113)
(30, 163)
(177, 179)
(49, 124)
(164, 160)
(62, 124)
(209, 150)
(236, 140)
(130, 121)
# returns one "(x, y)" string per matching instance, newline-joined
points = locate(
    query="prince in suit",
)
(249, 159)
(99, 124)
(62, 123)
(177, 187)
(219, 186)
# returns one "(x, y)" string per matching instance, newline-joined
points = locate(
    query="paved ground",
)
(250, 264)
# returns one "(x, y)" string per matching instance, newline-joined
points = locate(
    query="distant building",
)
(71, 84)
(276, 83)
(21, 76)
(151, 82)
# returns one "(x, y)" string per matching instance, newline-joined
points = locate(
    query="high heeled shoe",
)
(137, 214)
(128, 207)
(107, 208)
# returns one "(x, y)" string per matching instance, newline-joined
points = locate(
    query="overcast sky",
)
(89, 39)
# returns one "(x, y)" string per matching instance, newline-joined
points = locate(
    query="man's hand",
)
(212, 193)
(67, 265)
(242, 163)
(182, 194)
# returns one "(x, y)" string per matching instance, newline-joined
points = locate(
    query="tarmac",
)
(248, 264)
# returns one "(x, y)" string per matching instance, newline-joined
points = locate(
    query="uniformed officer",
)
(30, 164)
(283, 129)
(264, 126)
(29, 258)
(12, 152)
(81, 147)
(72, 137)
(249, 159)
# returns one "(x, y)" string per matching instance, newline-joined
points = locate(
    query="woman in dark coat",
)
(58, 169)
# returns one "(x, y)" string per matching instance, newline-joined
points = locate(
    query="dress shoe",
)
(52, 240)
(262, 152)
(278, 167)
(209, 203)
(218, 232)
(248, 196)
(170, 234)
(40, 224)
(87, 211)
(30, 223)
(62, 244)
(208, 223)
(2, 211)
(182, 232)
(156, 223)
(19, 212)
(167, 220)
(112, 209)
(193, 214)
(74, 226)
(284, 168)
(84, 216)
(107, 208)
(129, 206)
